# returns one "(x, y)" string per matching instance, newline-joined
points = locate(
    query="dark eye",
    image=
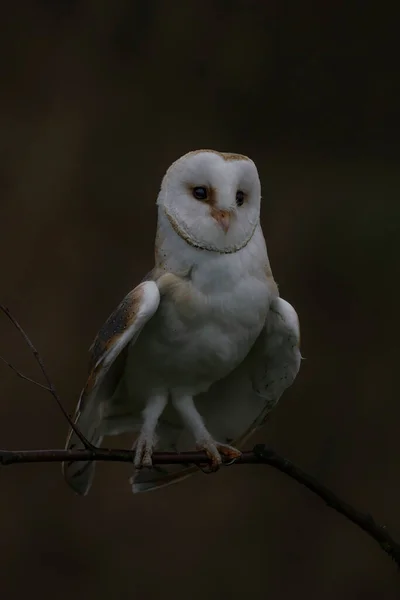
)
(200, 193)
(239, 197)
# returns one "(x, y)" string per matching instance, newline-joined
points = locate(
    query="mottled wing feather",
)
(236, 406)
(115, 326)
(107, 355)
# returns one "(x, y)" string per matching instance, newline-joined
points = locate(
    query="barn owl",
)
(199, 353)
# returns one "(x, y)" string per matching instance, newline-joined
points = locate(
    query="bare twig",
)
(50, 386)
(259, 455)
(22, 376)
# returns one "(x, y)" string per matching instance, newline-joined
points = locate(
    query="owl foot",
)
(144, 445)
(215, 452)
(143, 451)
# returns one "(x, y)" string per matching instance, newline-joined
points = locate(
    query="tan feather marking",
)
(115, 326)
(232, 156)
(212, 196)
(160, 255)
(180, 289)
(167, 282)
(225, 155)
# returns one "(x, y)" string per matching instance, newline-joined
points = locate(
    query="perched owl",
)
(199, 353)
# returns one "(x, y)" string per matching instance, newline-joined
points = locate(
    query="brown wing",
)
(107, 359)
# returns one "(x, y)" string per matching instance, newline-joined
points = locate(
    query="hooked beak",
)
(223, 218)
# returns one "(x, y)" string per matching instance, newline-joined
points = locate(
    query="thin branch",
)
(260, 455)
(22, 376)
(51, 388)
(365, 521)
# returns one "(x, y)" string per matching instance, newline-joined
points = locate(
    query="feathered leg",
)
(204, 441)
(146, 441)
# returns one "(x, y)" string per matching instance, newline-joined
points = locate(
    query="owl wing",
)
(237, 405)
(107, 360)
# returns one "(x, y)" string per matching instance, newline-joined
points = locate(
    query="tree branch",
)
(259, 455)
(50, 386)
(22, 376)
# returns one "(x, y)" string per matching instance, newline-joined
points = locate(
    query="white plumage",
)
(198, 353)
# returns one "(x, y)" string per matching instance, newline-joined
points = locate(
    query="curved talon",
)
(215, 461)
(143, 447)
(216, 452)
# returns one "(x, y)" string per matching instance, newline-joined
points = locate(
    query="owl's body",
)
(204, 347)
(200, 331)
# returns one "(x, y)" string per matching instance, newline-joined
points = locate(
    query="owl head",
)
(212, 199)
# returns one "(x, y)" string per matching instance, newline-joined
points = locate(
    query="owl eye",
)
(239, 197)
(200, 193)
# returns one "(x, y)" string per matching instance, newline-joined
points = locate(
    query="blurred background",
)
(97, 98)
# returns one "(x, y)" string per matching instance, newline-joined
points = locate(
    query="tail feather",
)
(79, 474)
(147, 480)
(172, 439)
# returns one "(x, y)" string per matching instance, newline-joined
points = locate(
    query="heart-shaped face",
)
(212, 199)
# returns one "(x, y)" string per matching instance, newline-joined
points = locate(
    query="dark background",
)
(97, 98)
